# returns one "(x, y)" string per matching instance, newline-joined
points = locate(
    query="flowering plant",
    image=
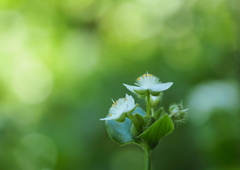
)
(127, 123)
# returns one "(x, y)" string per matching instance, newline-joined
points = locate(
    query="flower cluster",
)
(148, 86)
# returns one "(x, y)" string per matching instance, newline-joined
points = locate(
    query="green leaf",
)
(157, 131)
(120, 132)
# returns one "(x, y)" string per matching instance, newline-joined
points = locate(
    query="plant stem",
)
(152, 112)
(147, 158)
(148, 107)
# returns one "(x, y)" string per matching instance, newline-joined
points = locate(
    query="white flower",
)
(150, 83)
(120, 108)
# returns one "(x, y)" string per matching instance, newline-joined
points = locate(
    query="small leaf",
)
(157, 131)
(120, 132)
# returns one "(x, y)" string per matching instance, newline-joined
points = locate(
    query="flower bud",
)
(155, 100)
(177, 112)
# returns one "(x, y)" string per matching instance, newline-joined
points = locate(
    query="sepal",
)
(154, 93)
(141, 91)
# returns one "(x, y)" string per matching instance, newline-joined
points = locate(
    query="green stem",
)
(147, 158)
(152, 112)
(148, 107)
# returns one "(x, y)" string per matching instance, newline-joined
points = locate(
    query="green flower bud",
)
(177, 113)
(155, 100)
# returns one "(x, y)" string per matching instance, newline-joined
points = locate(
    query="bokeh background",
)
(61, 63)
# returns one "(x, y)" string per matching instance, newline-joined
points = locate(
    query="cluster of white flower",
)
(147, 84)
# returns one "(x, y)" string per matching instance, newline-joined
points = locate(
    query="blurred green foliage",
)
(62, 61)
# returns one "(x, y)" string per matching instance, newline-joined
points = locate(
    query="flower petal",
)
(137, 90)
(106, 118)
(110, 117)
(161, 87)
(130, 103)
(131, 88)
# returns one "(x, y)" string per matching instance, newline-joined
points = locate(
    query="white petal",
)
(131, 88)
(128, 96)
(110, 117)
(135, 89)
(106, 118)
(130, 100)
(130, 103)
(128, 109)
(161, 87)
